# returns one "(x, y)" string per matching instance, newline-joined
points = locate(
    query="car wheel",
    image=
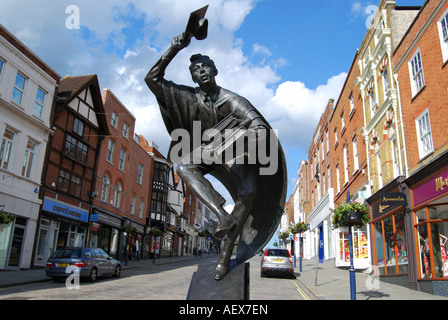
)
(93, 275)
(117, 272)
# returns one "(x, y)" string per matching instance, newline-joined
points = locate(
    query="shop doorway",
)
(11, 250)
(46, 241)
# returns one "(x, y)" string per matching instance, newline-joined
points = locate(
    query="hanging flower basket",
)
(299, 227)
(6, 218)
(130, 230)
(350, 214)
(202, 234)
(155, 232)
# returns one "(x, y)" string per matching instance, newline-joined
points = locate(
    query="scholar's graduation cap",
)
(197, 25)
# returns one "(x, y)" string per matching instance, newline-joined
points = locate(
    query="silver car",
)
(278, 262)
(92, 262)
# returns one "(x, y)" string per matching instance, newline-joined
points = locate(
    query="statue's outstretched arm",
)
(155, 76)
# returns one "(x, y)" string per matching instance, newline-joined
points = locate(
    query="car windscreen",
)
(67, 254)
(277, 253)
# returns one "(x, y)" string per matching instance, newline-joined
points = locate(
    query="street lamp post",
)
(352, 267)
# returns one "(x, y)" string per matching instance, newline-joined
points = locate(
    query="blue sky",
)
(288, 57)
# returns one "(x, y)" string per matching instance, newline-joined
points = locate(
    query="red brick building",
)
(122, 186)
(68, 180)
(421, 61)
(348, 163)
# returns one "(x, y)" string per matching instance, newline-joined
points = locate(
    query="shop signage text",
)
(65, 210)
(393, 199)
(430, 189)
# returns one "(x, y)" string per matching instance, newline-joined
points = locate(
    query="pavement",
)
(332, 283)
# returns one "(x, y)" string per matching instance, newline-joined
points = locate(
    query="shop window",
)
(390, 244)
(432, 227)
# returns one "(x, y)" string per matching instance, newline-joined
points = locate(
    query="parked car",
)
(277, 262)
(92, 262)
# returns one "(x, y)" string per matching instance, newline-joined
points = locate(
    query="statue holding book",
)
(233, 136)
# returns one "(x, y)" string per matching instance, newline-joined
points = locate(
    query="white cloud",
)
(295, 109)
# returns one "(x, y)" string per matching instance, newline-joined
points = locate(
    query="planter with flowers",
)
(350, 214)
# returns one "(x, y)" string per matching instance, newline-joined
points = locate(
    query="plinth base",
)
(235, 286)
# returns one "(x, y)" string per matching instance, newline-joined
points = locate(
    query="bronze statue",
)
(222, 115)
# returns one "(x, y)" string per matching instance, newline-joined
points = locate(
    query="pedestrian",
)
(199, 250)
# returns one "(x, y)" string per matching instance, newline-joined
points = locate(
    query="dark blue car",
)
(92, 262)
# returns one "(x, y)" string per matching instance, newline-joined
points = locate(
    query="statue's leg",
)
(193, 176)
(245, 177)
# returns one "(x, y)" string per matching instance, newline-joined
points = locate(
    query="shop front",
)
(104, 231)
(61, 225)
(391, 227)
(429, 201)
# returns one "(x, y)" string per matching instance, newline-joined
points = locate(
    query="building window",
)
(416, 73)
(117, 197)
(6, 148)
(327, 137)
(335, 136)
(69, 183)
(140, 174)
(110, 151)
(78, 127)
(76, 149)
(19, 88)
(342, 122)
(338, 179)
(2, 63)
(114, 120)
(132, 209)
(161, 172)
(443, 35)
(158, 202)
(28, 159)
(39, 103)
(372, 102)
(105, 188)
(355, 155)
(424, 136)
(140, 209)
(352, 104)
(122, 161)
(125, 130)
(380, 173)
(345, 165)
(386, 81)
(394, 151)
